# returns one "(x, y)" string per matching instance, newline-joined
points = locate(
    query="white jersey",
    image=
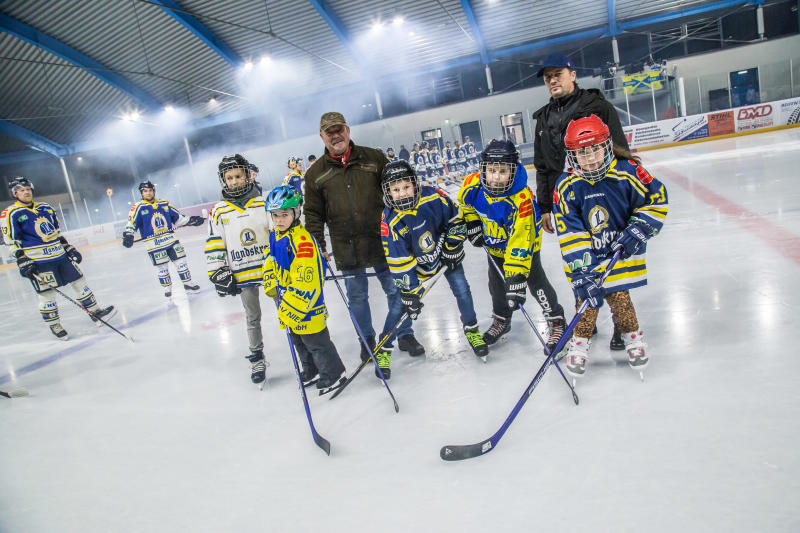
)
(237, 237)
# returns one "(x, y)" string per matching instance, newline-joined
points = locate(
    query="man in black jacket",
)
(343, 190)
(567, 102)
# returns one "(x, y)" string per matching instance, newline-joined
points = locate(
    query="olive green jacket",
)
(348, 198)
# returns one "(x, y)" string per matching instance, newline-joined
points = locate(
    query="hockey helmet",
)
(399, 171)
(284, 197)
(585, 137)
(499, 156)
(18, 182)
(231, 162)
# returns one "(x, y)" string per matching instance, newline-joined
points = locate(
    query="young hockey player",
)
(390, 155)
(238, 232)
(472, 155)
(502, 215)
(44, 256)
(156, 220)
(295, 178)
(607, 202)
(294, 272)
(422, 231)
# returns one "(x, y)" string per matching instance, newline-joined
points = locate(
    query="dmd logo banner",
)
(753, 117)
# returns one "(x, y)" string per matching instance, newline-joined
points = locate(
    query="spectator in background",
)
(311, 159)
(343, 190)
(567, 102)
(404, 154)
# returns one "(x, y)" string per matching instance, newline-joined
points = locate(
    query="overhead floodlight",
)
(79, 158)
(134, 115)
(247, 65)
(398, 20)
(168, 108)
(212, 100)
(377, 26)
(265, 60)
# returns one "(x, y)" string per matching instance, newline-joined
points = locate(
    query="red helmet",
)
(585, 132)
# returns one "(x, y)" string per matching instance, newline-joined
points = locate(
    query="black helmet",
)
(395, 171)
(499, 155)
(147, 185)
(253, 168)
(230, 162)
(18, 182)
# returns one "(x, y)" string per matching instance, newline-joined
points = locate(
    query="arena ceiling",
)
(70, 66)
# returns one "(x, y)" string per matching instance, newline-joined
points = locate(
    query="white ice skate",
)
(637, 351)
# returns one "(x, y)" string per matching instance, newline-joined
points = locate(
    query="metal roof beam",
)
(699, 10)
(612, 18)
(31, 35)
(185, 18)
(337, 26)
(33, 139)
(469, 12)
(586, 34)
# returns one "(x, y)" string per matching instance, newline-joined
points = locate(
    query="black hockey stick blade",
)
(457, 452)
(16, 393)
(323, 443)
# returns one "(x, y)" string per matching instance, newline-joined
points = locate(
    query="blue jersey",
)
(155, 221)
(34, 230)
(296, 181)
(589, 216)
(413, 240)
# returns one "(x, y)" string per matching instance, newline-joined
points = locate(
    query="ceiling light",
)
(168, 108)
(398, 20)
(265, 60)
(247, 65)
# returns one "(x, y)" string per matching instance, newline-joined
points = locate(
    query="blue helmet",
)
(285, 197)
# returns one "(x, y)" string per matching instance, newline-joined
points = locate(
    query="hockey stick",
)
(319, 440)
(348, 276)
(361, 336)
(536, 332)
(468, 451)
(16, 393)
(91, 314)
(386, 337)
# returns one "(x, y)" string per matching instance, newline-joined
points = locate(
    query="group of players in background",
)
(604, 203)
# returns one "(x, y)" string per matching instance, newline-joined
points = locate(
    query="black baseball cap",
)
(556, 61)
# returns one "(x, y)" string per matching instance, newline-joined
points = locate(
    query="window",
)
(433, 137)
(513, 130)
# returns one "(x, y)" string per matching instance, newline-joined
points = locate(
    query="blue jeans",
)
(460, 287)
(358, 293)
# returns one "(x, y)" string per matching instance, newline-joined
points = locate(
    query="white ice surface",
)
(168, 434)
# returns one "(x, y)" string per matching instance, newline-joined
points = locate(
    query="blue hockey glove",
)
(127, 239)
(632, 238)
(26, 265)
(515, 290)
(584, 284)
(411, 303)
(475, 233)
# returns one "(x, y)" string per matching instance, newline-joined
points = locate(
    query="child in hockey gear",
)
(501, 214)
(156, 220)
(238, 233)
(294, 270)
(390, 155)
(32, 231)
(295, 178)
(607, 201)
(422, 231)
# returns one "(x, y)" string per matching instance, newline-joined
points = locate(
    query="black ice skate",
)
(476, 341)
(168, 292)
(499, 327)
(309, 375)
(104, 313)
(616, 343)
(408, 343)
(330, 385)
(258, 367)
(59, 331)
(191, 288)
(555, 329)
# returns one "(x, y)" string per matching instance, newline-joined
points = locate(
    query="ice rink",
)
(168, 433)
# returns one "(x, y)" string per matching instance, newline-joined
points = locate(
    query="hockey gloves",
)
(632, 238)
(127, 239)
(475, 233)
(26, 265)
(411, 303)
(515, 290)
(584, 284)
(452, 255)
(224, 282)
(73, 254)
(195, 220)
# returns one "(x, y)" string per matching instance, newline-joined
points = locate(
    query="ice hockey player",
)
(422, 231)
(390, 155)
(501, 214)
(607, 201)
(32, 232)
(472, 155)
(238, 232)
(156, 220)
(461, 160)
(294, 272)
(295, 177)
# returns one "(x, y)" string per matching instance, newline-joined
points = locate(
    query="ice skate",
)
(309, 375)
(616, 343)
(105, 313)
(637, 353)
(168, 292)
(59, 331)
(500, 326)
(258, 368)
(191, 288)
(326, 386)
(555, 329)
(577, 357)
(476, 341)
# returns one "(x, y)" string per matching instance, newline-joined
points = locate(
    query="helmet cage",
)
(403, 173)
(497, 166)
(230, 163)
(597, 174)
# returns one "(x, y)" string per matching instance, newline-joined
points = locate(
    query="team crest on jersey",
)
(598, 218)
(247, 237)
(159, 223)
(426, 242)
(45, 229)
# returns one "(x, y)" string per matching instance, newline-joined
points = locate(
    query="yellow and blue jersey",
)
(296, 180)
(295, 267)
(589, 216)
(34, 230)
(512, 223)
(155, 221)
(413, 240)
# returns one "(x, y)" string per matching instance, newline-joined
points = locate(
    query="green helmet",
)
(285, 197)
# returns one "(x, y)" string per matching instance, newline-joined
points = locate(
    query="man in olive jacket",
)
(343, 190)
(567, 102)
